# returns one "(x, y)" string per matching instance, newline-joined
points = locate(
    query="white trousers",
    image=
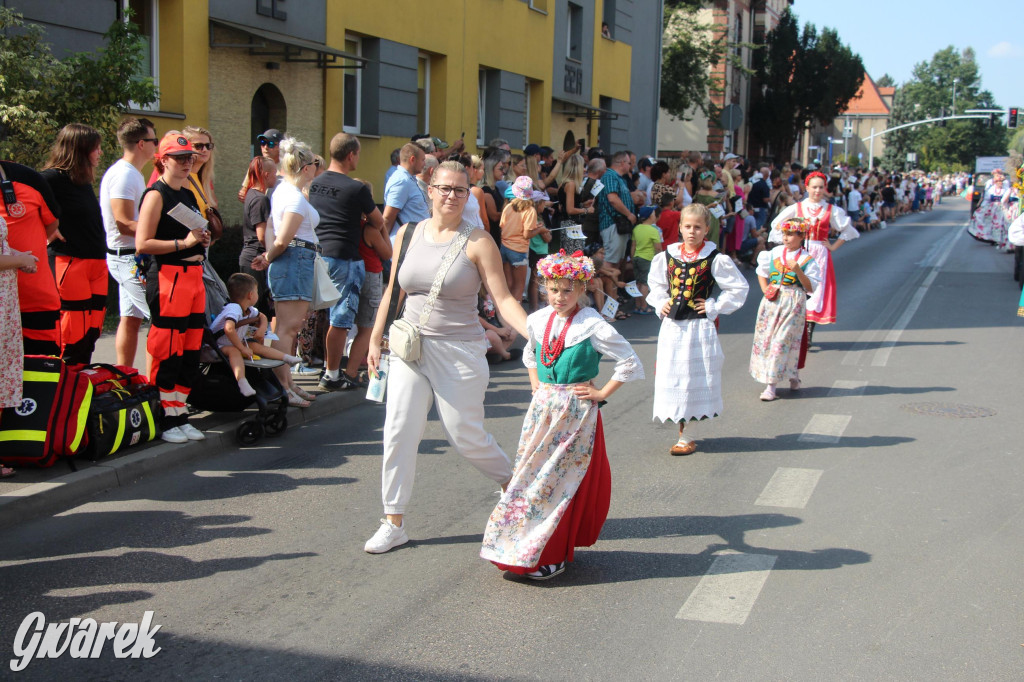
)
(455, 375)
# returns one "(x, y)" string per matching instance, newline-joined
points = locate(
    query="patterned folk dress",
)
(561, 484)
(780, 323)
(11, 352)
(825, 218)
(988, 224)
(688, 373)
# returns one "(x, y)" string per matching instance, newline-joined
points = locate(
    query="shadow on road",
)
(130, 530)
(33, 580)
(789, 442)
(827, 392)
(214, 658)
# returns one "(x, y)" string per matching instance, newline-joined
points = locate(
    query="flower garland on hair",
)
(563, 266)
(1019, 185)
(798, 225)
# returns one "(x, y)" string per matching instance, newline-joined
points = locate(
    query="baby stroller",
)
(216, 389)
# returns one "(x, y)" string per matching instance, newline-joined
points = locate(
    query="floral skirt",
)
(777, 335)
(988, 224)
(560, 489)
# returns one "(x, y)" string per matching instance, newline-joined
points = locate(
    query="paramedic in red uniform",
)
(31, 213)
(174, 232)
(80, 258)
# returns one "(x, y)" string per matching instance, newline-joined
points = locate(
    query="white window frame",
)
(481, 107)
(354, 130)
(154, 50)
(426, 90)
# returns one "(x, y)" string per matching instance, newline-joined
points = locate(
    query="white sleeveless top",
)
(471, 212)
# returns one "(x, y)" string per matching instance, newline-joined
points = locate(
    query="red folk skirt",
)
(582, 522)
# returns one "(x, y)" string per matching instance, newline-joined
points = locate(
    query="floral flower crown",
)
(815, 174)
(1020, 179)
(798, 225)
(563, 266)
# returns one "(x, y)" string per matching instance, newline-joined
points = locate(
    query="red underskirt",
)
(582, 522)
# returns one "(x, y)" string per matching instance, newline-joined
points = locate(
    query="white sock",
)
(292, 359)
(332, 374)
(245, 388)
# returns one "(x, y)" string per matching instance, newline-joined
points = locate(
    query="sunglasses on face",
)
(269, 144)
(150, 139)
(202, 146)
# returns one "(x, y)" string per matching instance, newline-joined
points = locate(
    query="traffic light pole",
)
(871, 138)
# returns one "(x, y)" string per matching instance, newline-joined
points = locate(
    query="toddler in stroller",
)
(239, 330)
(236, 366)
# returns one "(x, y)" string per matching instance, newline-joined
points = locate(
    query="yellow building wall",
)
(461, 38)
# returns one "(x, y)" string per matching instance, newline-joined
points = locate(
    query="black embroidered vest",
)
(689, 281)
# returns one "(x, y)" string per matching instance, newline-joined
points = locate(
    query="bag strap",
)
(200, 189)
(453, 251)
(402, 249)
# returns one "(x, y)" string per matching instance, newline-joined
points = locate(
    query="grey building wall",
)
(571, 79)
(505, 107)
(638, 22)
(389, 88)
(298, 18)
(70, 26)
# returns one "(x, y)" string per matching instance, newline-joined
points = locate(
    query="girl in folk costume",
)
(988, 222)
(561, 484)
(1011, 209)
(688, 375)
(823, 218)
(788, 275)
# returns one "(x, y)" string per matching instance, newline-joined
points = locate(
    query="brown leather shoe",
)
(680, 449)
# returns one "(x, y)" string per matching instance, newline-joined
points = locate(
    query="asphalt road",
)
(869, 528)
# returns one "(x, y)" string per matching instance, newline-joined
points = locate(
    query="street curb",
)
(71, 490)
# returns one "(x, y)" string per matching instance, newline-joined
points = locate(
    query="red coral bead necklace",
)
(549, 353)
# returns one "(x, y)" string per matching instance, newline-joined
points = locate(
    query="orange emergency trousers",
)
(82, 285)
(177, 302)
(40, 310)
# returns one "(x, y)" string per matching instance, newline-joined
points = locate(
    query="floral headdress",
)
(563, 266)
(798, 225)
(1020, 179)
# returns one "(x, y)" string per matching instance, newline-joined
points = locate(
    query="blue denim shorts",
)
(348, 276)
(514, 258)
(290, 275)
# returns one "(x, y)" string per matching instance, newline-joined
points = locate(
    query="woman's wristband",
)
(175, 244)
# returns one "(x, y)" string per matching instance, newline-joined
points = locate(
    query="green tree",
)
(886, 81)
(691, 51)
(40, 94)
(925, 95)
(805, 78)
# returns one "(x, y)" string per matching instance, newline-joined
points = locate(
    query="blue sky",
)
(891, 36)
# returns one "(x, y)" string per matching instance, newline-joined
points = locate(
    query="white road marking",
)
(893, 336)
(843, 389)
(825, 428)
(789, 488)
(727, 592)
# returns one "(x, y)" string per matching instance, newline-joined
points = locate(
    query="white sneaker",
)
(192, 433)
(388, 536)
(174, 435)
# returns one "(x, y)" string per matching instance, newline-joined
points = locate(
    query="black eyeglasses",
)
(445, 190)
(150, 139)
(202, 146)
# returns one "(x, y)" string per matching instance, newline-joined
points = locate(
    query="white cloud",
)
(1005, 49)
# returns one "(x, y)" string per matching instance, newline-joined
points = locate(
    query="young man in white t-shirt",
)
(120, 196)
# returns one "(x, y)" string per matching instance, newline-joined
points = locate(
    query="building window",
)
(352, 91)
(539, 5)
(481, 107)
(608, 20)
(423, 94)
(145, 17)
(526, 113)
(574, 41)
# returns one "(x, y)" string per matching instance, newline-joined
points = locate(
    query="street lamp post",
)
(955, 81)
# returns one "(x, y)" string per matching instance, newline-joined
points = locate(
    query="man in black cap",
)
(269, 143)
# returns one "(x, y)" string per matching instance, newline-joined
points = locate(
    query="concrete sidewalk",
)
(36, 492)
